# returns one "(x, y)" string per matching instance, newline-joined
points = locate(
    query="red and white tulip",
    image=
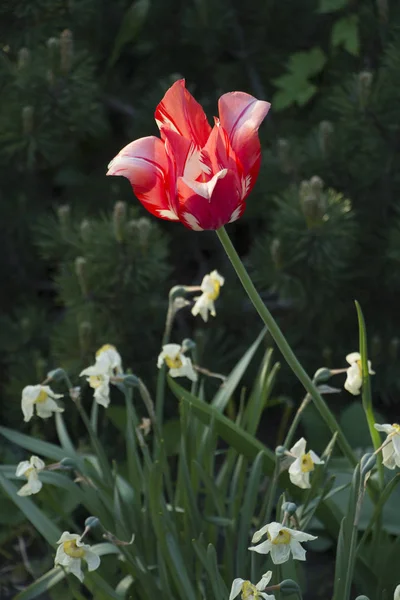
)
(197, 174)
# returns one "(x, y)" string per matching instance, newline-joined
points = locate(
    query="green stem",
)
(296, 421)
(283, 345)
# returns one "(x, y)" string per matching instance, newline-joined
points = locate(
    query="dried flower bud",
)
(66, 51)
(64, 215)
(85, 336)
(81, 273)
(325, 132)
(119, 220)
(85, 230)
(276, 252)
(365, 79)
(289, 508)
(288, 587)
(283, 149)
(24, 58)
(383, 10)
(322, 375)
(28, 113)
(91, 522)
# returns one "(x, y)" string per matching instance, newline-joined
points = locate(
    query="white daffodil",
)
(299, 470)
(391, 448)
(353, 381)
(71, 551)
(250, 591)
(30, 469)
(281, 541)
(108, 364)
(179, 365)
(204, 304)
(41, 396)
(397, 593)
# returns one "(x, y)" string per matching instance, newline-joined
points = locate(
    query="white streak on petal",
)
(168, 214)
(191, 221)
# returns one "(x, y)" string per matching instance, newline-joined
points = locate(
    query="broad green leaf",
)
(345, 33)
(308, 63)
(33, 445)
(225, 392)
(39, 520)
(327, 6)
(130, 28)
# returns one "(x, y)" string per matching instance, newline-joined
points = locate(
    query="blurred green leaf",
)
(327, 6)
(130, 28)
(345, 33)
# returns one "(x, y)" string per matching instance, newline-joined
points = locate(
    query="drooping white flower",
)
(391, 449)
(179, 365)
(250, 591)
(42, 397)
(210, 287)
(71, 551)
(108, 364)
(299, 470)
(281, 542)
(30, 469)
(397, 593)
(353, 381)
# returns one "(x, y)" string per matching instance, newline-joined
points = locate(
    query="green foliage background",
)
(81, 79)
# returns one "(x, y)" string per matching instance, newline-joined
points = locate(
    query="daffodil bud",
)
(283, 149)
(66, 51)
(365, 79)
(276, 252)
(28, 113)
(68, 463)
(288, 587)
(394, 348)
(64, 215)
(85, 336)
(24, 58)
(130, 380)
(325, 133)
(322, 375)
(188, 345)
(289, 508)
(81, 273)
(56, 375)
(85, 230)
(383, 10)
(119, 220)
(91, 522)
(368, 462)
(280, 451)
(362, 597)
(176, 292)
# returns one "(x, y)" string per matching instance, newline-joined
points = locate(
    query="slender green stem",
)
(283, 345)
(296, 421)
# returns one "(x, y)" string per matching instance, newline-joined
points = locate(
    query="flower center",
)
(396, 428)
(41, 397)
(72, 549)
(104, 349)
(283, 537)
(173, 362)
(307, 464)
(95, 381)
(215, 293)
(29, 471)
(249, 591)
(359, 366)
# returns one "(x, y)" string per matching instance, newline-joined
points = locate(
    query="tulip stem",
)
(284, 347)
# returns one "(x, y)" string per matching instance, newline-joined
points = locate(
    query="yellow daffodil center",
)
(283, 537)
(173, 362)
(215, 293)
(104, 349)
(29, 471)
(396, 428)
(72, 549)
(95, 381)
(249, 591)
(41, 397)
(359, 366)
(307, 464)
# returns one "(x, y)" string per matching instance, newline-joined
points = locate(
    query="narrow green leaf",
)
(225, 392)
(183, 581)
(42, 585)
(39, 520)
(248, 510)
(63, 436)
(33, 445)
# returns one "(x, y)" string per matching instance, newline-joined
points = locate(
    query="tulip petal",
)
(145, 163)
(211, 204)
(241, 115)
(179, 112)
